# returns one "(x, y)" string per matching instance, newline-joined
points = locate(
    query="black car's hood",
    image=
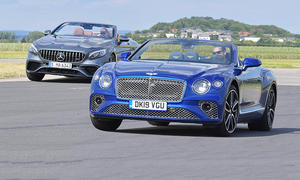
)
(85, 44)
(183, 70)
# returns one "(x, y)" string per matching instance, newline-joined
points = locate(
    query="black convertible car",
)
(75, 49)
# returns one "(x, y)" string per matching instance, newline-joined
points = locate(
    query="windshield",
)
(85, 29)
(186, 51)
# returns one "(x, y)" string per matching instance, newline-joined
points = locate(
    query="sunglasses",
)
(218, 52)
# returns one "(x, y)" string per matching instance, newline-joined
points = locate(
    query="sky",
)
(142, 14)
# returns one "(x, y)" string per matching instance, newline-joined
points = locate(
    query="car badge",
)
(60, 56)
(151, 74)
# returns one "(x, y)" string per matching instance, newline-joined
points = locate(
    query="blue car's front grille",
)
(174, 113)
(212, 112)
(148, 88)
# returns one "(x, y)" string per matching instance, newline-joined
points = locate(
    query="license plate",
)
(148, 105)
(60, 65)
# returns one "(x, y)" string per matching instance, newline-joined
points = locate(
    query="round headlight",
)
(217, 84)
(201, 86)
(105, 81)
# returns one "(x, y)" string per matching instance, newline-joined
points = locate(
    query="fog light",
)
(98, 100)
(206, 107)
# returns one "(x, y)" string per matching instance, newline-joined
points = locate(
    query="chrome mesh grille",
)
(69, 56)
(150, 89)
(177, 113)
(213, 112)
(94, 105)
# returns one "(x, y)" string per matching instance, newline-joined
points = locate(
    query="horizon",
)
(131, 14)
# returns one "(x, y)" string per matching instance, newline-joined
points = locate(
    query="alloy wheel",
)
(231, 111)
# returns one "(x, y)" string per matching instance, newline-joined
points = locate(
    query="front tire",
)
(158, 123)
(230, 114)
(266, 123)
(35, 76)
(106, 124)
(112, 58)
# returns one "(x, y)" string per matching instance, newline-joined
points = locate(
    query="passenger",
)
(104, 33)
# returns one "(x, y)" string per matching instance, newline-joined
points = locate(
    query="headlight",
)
(105, 81)
(201, 86)
(97, 54)
(217, 83)
(33, 49)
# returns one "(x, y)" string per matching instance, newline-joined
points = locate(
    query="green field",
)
(14, 50)
(274, 57)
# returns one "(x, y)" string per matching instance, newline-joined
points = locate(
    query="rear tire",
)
(158, 123)
(35, 76)
(106, 124)
(266, 123)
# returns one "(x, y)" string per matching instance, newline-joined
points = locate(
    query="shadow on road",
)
(68, 80)
(197, 130)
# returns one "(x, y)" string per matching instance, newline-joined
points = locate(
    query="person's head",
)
(104, 33)
(219, 52)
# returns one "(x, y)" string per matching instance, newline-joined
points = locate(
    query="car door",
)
(250, 88)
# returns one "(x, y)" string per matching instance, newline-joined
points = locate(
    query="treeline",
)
(206, 23)
(7, 37)
(10, 37)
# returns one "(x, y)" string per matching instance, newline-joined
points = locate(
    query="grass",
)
(14, 50)
(13, 54)
(281, 63)
(272, 57)
(12, 70)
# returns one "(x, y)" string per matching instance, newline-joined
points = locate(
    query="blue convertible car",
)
(184, 80)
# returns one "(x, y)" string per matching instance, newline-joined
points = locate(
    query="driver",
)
(105, 33)
(219, 53)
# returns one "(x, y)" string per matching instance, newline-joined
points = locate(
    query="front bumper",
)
(187, 111)
(85, 68)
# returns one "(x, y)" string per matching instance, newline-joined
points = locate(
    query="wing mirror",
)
(124, 56)
(251, 62)
(47, 32)
(122, 38)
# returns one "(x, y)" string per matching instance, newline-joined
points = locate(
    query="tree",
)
(7, 37)
(34, 35)
(23, 40)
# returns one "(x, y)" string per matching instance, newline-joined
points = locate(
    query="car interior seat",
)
(78, 31)
(176, 55)
(88, 33)
(191, 56)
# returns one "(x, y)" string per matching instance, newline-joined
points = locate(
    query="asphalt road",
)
(46, 133)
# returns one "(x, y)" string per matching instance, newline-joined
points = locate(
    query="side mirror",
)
(47, 32)
(124, 56)
(123, 38)
(251, 62)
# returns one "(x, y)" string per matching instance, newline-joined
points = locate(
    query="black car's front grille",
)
(176, 113)
(150, 88)
(62, 56)
(60, 71)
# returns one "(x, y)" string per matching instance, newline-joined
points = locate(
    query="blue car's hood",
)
(171, 69)
(72, 43)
